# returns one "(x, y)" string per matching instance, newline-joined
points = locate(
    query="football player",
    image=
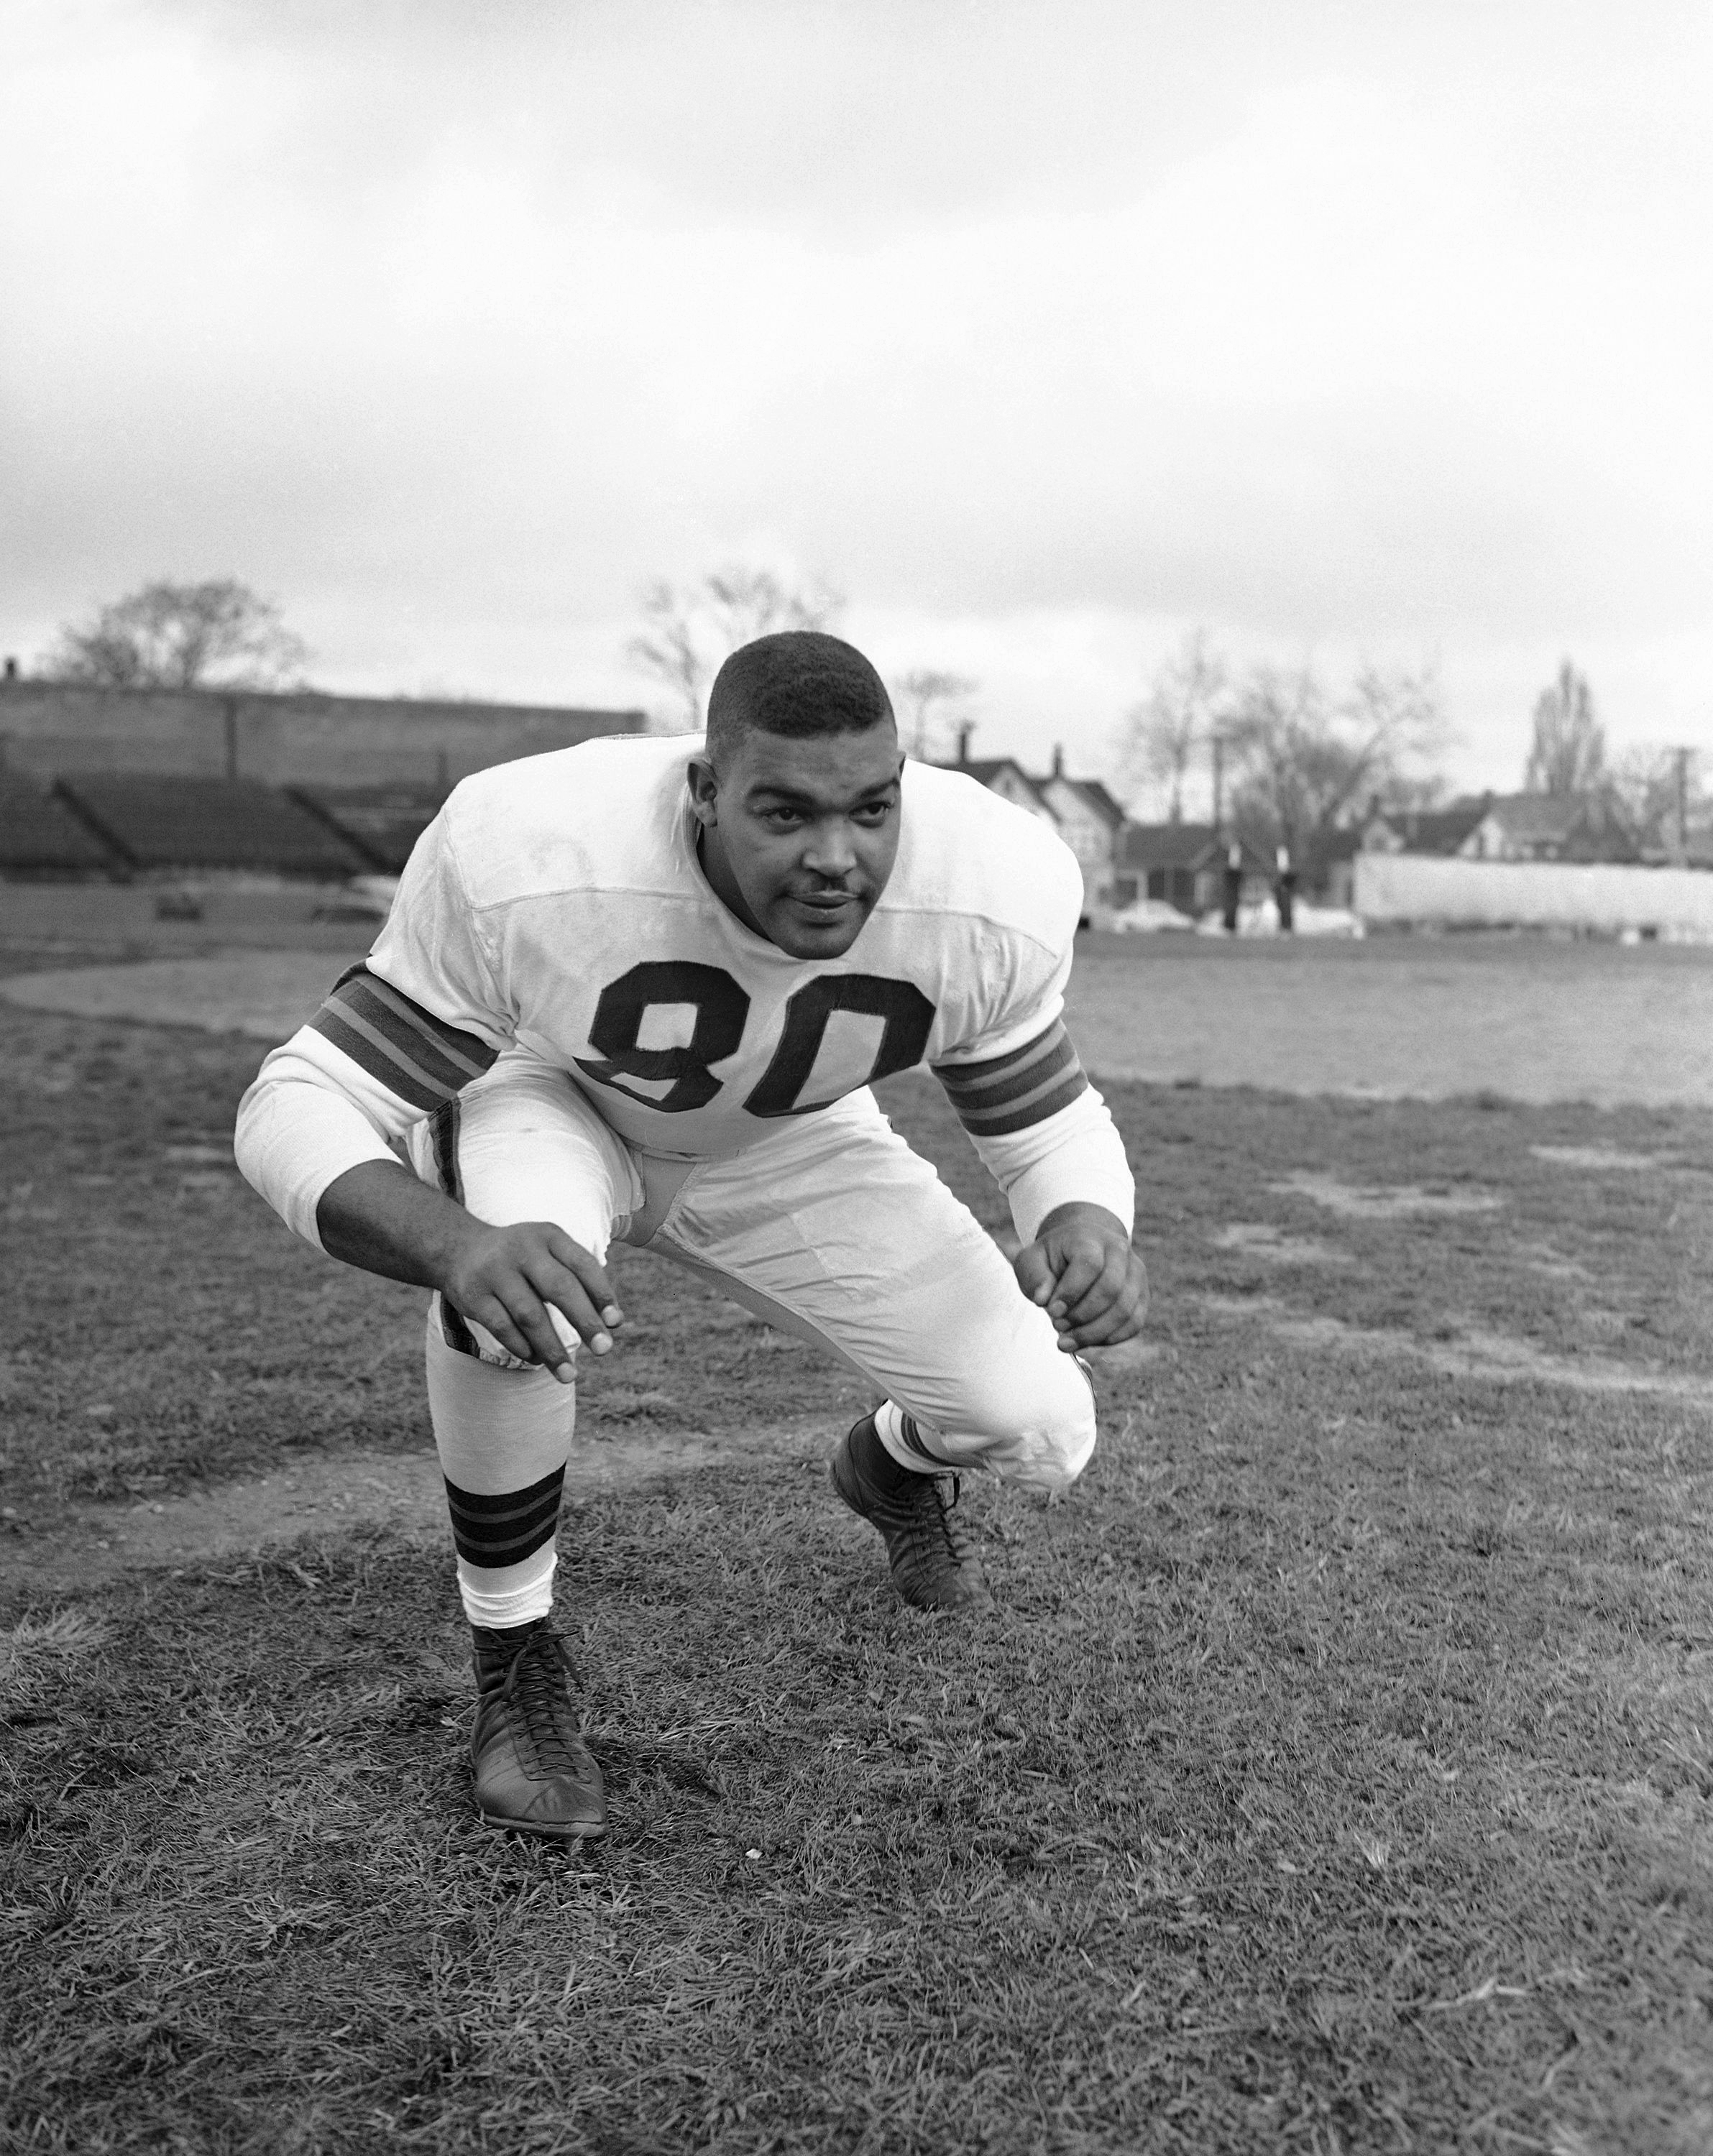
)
(641, 989)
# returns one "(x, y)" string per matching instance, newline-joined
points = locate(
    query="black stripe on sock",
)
(505, 1527)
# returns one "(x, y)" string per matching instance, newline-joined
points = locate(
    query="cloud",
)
(1344, 327)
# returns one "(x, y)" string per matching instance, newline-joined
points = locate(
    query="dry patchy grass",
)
(1336, 1773)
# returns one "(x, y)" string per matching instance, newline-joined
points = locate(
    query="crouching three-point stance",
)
(638, 990)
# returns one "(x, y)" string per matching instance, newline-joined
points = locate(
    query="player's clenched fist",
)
(1083, 1271)
(511, 1280)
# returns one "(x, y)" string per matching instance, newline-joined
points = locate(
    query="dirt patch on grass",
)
(1394, 1201)
(1493, 1356)
(265, 995)
(85, 1545)
(1258, 1238)
(1599, 1158)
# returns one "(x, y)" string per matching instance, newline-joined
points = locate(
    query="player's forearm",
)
(1075, 1158)
(383, 1218)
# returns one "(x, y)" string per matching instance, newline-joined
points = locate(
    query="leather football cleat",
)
(933, 1566)
(533, 1771)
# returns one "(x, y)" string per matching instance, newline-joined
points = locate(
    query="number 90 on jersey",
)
(720, 1016)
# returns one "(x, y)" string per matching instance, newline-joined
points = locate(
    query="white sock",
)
(508, 1594)
(904, 1437)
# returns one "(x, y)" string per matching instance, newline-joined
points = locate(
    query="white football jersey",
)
(559, 903)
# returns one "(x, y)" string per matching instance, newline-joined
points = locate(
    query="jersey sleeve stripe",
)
(1010, 1092)
(396, 1014)
(365, 1046)
(1019, 1079)
(416, 1056)
(954, 1077)
(1059, 1092)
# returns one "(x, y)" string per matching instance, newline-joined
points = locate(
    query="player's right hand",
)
(509, 1281)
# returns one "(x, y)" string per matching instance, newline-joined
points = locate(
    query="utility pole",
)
(1683, 807)
(1218, 745)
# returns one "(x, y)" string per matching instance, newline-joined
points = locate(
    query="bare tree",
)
(934, 705)
(1660, 791)
(1302, 761)
(219, 633)
(687, 632)
(1567, 754)
(1183, 710)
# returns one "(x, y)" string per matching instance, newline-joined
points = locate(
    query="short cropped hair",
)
(799, 682)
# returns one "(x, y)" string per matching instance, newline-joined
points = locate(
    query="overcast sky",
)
(1045, 332)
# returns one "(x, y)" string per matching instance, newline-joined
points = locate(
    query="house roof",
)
(1089, 790)
(1181, 846)
(1439, 830)
(1553, 816)
(1166, 845)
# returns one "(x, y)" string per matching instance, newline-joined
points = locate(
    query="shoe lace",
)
(537, 1683)
(933, 1530)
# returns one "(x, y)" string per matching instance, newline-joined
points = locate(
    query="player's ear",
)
(704, 789)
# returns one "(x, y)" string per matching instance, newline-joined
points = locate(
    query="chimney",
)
(963, 734)
(1058, 760)
(11, 672)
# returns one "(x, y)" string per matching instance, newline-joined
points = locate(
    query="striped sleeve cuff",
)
(1012, 1091)
(402, 1046)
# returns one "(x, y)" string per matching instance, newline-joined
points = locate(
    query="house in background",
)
(1444, 831)
(1183, 865)
(1326, 864)
(1089, 821)
(1551, 827)
(1668, 845)
(1509, 827)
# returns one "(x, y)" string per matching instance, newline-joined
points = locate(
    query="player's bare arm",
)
(381, 1218)
(1082, 1268)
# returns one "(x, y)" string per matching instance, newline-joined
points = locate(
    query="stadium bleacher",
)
(151, 823)
(39, 835)
(382, 822)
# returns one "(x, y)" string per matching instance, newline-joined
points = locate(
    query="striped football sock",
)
(505, 1553)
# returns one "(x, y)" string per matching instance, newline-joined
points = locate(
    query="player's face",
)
(799, 837)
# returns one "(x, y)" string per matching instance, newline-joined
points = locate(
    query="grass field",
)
(1337, 1774)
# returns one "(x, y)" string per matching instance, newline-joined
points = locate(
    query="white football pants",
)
(829, 1228)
